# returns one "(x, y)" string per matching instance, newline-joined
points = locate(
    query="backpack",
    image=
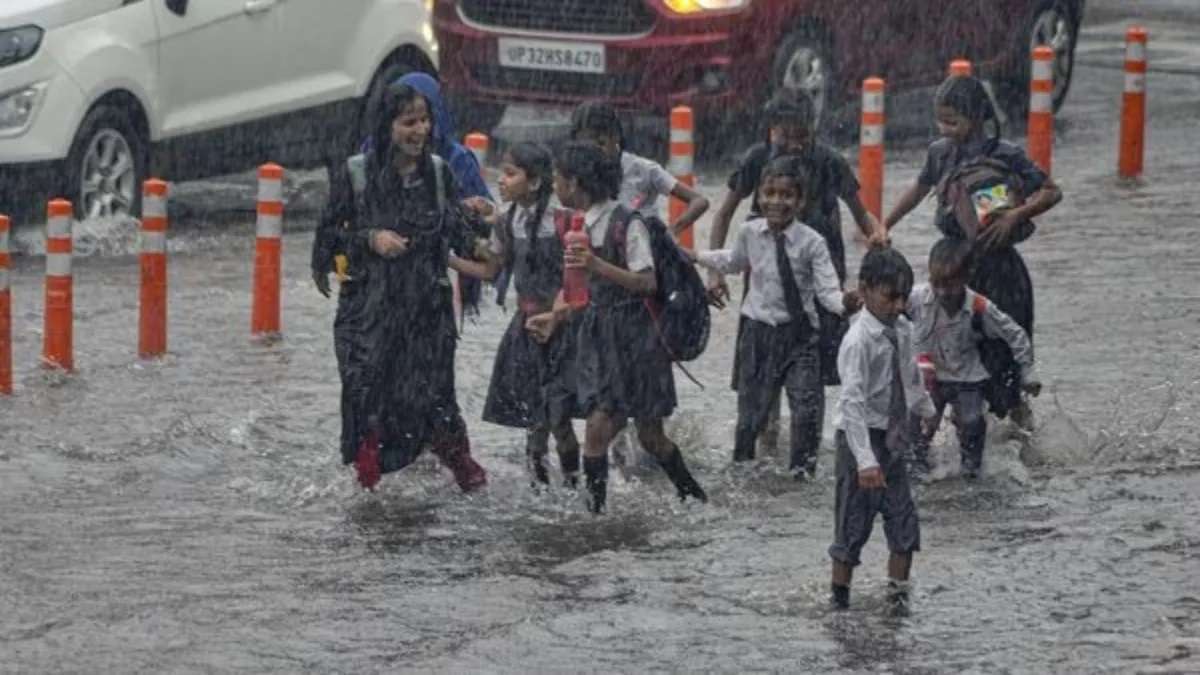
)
(679, 307)
(974, 193)
(356, 166)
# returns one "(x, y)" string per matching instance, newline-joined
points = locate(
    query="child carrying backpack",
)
(988, 192)
(623, 368)
(948, 321)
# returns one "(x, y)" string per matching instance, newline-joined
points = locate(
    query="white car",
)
(98, 95)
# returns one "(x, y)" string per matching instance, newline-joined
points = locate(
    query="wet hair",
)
(381, 171)
(790, 107)
(786, 166)
(952, 255)
(598, 118)
(966, 95)
(886, 267)
(538, 164)
(598, 176)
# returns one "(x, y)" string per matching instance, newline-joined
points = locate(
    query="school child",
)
(393, 215)
(643, 183)
(963, 110)
(948, 321)
(790, 271)
(880, 388)
(623, 371)
(531, 386)
(790, 119)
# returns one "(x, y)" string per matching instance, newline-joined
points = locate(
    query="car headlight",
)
(16, 108)
(18, 44)
(698, 6)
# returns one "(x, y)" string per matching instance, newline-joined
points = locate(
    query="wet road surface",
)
(191, 515)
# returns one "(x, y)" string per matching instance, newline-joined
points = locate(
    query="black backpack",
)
(679, 307)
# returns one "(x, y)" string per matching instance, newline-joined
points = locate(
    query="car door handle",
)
(258, 6)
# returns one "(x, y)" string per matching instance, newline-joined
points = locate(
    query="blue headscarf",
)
(463, 163)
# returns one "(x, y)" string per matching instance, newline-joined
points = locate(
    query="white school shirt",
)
(546, 229)
(638, 255)
(950, 340)
(865, 366)
(643, 181)
(754, 249)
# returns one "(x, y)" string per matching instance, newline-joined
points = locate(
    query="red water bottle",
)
(575, 278)
(928, 371)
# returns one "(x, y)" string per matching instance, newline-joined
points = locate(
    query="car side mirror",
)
(177, 6)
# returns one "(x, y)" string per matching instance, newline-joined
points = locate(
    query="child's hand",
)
(578, 255)
(388, 244)
(999, 233)
(479, 205)
(871, 479)
(1032, 387)
(690, 254)
(879, 238)
(718, 290)
(542, 326)
(852, 301)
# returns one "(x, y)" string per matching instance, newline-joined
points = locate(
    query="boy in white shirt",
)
(880, 388)
(949, 320)
(790, 272)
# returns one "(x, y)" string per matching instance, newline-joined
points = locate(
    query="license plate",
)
(569, 57)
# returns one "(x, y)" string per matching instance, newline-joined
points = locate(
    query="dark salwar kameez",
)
(394, 333)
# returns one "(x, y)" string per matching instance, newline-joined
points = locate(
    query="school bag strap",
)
(356, 167)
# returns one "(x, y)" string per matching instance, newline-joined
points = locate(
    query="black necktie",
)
(791, 292)
(897, 428)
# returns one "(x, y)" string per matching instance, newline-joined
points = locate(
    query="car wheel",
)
(804, 63)
(477, 116)
(1053, 25)
(106, 165)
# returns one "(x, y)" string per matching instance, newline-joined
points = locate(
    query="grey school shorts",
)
(855, 509)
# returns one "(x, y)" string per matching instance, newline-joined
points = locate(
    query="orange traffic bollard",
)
(58, 335)
(1133, 104)
(152, 317)
(6, 386)
(682, 164)
(478, 144)
(1041, 108)
(870, 147)
(264, 319)
(961, 67)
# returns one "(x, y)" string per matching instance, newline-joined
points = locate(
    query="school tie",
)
(791, 292)
(897, 428)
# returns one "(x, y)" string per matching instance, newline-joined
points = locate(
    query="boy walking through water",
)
(880, 388)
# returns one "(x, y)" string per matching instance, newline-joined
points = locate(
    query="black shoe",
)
(839, 597)
(739, 457)
(541, 476)
(685, 484)
(596, 471)
(897, 599)
(571, 481)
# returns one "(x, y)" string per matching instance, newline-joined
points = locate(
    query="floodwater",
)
(191, 515)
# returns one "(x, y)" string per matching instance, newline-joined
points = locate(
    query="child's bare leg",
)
(899, 566)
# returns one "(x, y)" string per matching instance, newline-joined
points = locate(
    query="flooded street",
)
(192, 514)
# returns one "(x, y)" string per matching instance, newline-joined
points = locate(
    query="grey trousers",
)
(771, 357)
(967, 399)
